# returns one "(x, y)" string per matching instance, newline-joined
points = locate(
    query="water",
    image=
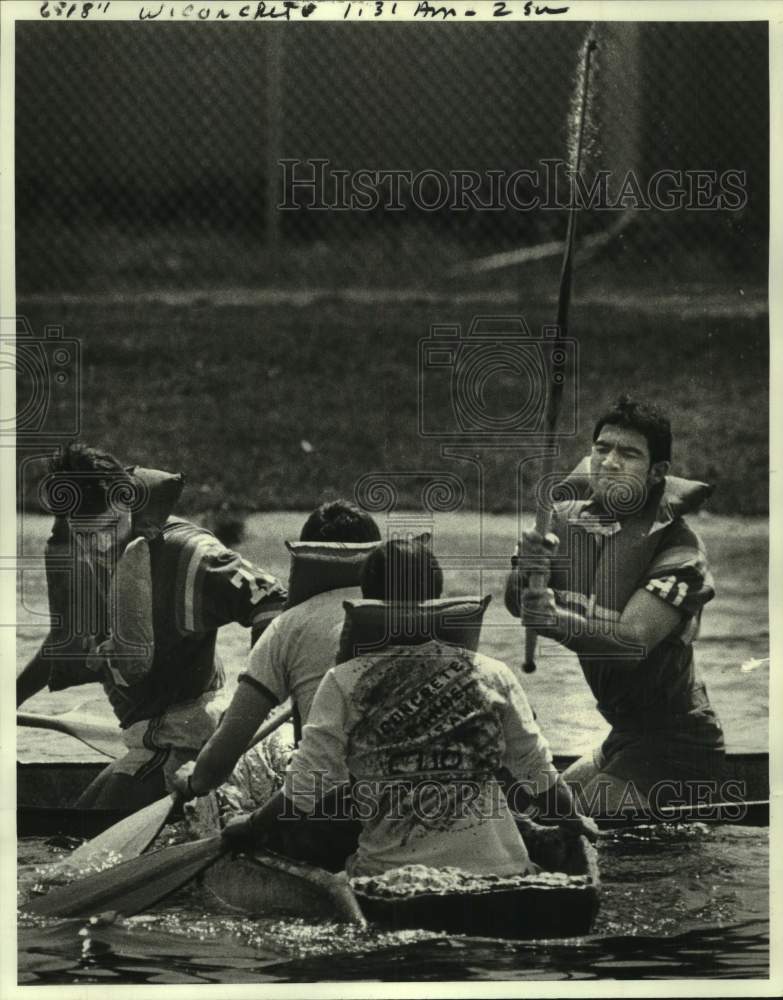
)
(679, 901)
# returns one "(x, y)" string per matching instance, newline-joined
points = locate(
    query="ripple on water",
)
(674, 878)
(679, 901)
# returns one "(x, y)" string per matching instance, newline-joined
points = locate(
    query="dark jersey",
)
(600, 564)
(197, 585)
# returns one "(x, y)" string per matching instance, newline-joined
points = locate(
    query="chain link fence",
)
(159, 155)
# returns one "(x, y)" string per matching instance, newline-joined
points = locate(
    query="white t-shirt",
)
(299, 646)
(422, 732)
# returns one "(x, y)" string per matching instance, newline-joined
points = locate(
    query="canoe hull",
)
(46, 791)
(520, 913)
(248, 884)
(516, 914)
(267, 884)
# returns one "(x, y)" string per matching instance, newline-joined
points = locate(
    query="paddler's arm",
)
(645, 622)
(43, 670)
(554, 805)
(33, 677)
(253, 830)
(528, 776)
(249, 707)
(317, 766)
(261, 687)
(59, 662)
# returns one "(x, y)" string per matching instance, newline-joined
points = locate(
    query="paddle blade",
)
(127, 839)
(101, 736)
(131, 886)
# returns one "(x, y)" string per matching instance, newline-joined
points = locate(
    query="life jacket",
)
(113, 617)
(601, 562)
(609, 573)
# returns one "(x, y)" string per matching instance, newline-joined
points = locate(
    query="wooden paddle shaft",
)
(100, 736)
(66, 723)
(708, 809)
(106, 738)
(727, 812)
(271, 725)
(537, 581)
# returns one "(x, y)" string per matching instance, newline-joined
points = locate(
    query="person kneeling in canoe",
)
(291, 657)
(420, 732)
(628, 579)
(136, 598)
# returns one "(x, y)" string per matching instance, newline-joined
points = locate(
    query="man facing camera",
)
(628, 579)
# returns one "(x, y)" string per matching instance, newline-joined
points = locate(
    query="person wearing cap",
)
(136, 598)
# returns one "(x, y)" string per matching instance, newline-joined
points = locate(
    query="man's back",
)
(292, 656)
(423, 731)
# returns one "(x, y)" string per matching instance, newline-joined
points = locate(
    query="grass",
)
(274, 403)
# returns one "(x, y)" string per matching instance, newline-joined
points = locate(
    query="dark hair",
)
(645, 418)
(340, 521)
(402, 570)
(89, 473)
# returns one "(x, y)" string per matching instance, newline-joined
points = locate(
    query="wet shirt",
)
(300, 645)
(421, 733)
(195, 585)
(662, 690)
(600, 564)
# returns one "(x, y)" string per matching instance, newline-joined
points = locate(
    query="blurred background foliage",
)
(272, 355)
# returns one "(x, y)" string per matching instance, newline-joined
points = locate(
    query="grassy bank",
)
(270, 402)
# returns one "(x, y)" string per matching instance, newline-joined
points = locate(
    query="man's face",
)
(108, 530)
(620, 469)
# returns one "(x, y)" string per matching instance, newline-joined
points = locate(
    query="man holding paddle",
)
(136, 598)
(628, 579)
